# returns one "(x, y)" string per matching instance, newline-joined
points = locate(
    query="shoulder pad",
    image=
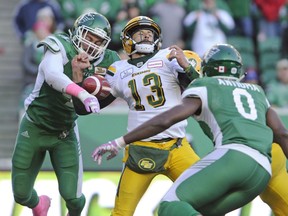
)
(49, 43)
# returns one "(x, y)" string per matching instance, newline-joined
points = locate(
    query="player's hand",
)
(178, 54)
(79, 63)
(112, 147)
(92, 104)
(90, 101)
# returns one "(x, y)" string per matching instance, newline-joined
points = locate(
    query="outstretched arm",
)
(52, 68)
(151, 127)
(164, 120)
(280, 133)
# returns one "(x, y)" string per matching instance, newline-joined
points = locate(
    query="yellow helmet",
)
(193, 59)
(140, 22)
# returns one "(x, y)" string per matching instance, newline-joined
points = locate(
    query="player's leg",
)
(180, 159)
(130, 190)
(27, 160)
(276, 193)
(210, 180)
(66, 159)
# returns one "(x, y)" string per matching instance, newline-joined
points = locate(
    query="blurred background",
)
(257, 28)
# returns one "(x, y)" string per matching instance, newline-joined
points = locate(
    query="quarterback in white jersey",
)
(150, 81)
(148, 88)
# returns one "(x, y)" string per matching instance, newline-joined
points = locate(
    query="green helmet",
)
(96, 24)
(222, 60)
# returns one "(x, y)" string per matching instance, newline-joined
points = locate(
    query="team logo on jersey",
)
(25, 134)
(100, 71)
(146, 164)
(155, 64)
(88, 71)
(139, 64)
(126, 73)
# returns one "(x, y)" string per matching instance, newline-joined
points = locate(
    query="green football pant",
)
(32, 143)
(221, 182)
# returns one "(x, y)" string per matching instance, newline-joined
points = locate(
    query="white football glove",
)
(112, 146)
(90, 101)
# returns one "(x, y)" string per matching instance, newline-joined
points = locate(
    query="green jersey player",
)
(49, 123)
(238, 119)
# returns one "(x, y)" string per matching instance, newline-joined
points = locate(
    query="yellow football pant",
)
(276, 193)
(133, 185)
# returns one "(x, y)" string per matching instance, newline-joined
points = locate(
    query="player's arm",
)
(190, 63)
(53, 70)
(183, 80)
(159, 123)
(164, 120)
(280, 133)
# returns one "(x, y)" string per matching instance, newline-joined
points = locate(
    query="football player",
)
(49, 124)
(150, 81)
(238, 118)
(276, 193)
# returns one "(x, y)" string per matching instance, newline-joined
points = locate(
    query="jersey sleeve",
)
(111, 78)
(194, 89)
(176, 67)
(53, 70)
(191, 72)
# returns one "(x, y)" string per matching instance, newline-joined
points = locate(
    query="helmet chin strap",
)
(144, 48)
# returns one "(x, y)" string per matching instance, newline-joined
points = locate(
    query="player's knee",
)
(20, 200)
(68, 185)
(76, 205)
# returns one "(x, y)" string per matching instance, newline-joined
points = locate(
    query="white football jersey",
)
(149, 88)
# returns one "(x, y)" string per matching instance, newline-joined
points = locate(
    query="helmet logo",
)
(193, 62)
(211, 52)
(88, 17)
(233, 70)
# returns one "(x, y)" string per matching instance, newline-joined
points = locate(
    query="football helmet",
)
(194, 59)
(96, 24)
(140, 22)
(223, 60)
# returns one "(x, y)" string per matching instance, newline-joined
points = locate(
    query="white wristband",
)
(83, 95)
(120, 142)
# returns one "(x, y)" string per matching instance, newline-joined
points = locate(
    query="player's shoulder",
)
(111, 54)
(163, 53)
(119, 65)
(56, 42)
(204, 81)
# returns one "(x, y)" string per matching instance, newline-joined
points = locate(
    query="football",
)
(97, 85)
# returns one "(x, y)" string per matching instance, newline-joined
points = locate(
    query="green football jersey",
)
(232, 112)
(49, 108)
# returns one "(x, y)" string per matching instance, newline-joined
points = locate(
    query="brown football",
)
(97, 85)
